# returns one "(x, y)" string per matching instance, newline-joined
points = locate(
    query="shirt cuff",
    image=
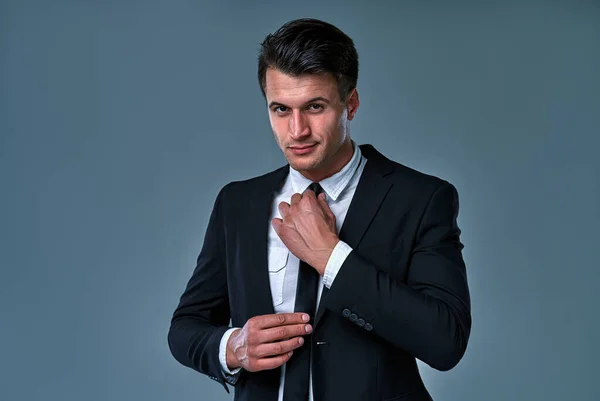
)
(231, 376)
(337, 258)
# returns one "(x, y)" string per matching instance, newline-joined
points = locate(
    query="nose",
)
(298, 125)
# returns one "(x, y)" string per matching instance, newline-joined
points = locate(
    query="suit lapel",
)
(370, 193)
(256, 229)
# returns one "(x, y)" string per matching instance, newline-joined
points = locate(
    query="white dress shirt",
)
(283, 265)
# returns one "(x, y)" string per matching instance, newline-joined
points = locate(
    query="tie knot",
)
(316, 188)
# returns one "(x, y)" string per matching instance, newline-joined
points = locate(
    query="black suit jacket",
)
(401, 294)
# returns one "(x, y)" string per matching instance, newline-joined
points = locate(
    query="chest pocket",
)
(278, 258)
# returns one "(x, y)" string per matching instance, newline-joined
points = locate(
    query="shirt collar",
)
(334, 185)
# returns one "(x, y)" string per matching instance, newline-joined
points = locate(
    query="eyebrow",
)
(313, 100)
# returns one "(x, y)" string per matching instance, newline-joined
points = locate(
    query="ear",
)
(352, 103)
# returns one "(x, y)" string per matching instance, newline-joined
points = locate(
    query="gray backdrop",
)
(120, 121)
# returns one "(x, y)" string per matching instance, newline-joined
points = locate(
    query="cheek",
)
(323, 126)
(332, 128)
(279, 130)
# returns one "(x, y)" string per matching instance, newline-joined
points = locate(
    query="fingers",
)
(277, 319)
(262, 349)
(323, 202)
(284, 209)
(270, 363)
(276, 222)
(284, 332)
(296, 198)
(322, 199)
(325, 206)
(277, 348)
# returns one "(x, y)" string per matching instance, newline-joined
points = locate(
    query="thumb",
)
(325, 206)
(323, 200)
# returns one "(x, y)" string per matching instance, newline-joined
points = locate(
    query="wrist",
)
(327, 254)
(232, 361)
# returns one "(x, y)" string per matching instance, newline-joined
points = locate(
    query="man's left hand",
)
(307, 228)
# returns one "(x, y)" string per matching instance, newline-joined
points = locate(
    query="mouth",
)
(304, 149)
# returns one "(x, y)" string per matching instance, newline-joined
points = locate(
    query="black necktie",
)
(297, 369)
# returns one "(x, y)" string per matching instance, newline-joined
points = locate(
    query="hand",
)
(307, 228)
(267, 341)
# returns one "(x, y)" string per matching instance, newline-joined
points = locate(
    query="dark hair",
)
(310, 46)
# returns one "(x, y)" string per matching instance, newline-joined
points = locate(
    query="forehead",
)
(281, 87)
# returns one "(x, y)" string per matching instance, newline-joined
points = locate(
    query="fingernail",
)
(290, 353)
(301, 341)
(308, 328)
(306, 318)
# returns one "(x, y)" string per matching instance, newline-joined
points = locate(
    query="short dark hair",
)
(310, 46)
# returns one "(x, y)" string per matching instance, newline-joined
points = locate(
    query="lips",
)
(304, 149)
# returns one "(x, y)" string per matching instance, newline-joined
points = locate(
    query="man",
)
(336, 270)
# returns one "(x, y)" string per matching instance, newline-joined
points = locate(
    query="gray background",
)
(120, 121)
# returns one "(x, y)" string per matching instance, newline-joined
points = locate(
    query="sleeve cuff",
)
(337, 258)
(231, 376)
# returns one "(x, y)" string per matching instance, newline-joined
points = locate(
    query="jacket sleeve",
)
(429, 315)
(202, 316)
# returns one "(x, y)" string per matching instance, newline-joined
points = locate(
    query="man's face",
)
(309, 121)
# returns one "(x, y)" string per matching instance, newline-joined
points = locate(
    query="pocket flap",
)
(278, 258)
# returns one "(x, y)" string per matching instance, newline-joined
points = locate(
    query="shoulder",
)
(418, 181)
(404, 178)
(409, 187)
(423, 189)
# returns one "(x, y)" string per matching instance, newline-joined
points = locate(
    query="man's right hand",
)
(267, 342)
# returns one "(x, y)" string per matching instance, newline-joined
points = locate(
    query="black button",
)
(368, 327)
(353, 317)
(360, 322)
(346, 313)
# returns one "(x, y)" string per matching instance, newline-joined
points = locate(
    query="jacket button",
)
(360, 322)
(346, 313)
(368, 327)
(353, 317)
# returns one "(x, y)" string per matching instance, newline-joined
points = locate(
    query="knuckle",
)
(274, 363)
(278, 349)
(281, 332)
(281, 318)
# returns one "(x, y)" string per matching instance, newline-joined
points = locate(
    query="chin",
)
(303, 164)
(313, 161)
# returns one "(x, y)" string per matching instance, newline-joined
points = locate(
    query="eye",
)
(280, 109)
(315, 107)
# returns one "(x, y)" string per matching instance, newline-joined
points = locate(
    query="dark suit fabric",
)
(401, 293)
